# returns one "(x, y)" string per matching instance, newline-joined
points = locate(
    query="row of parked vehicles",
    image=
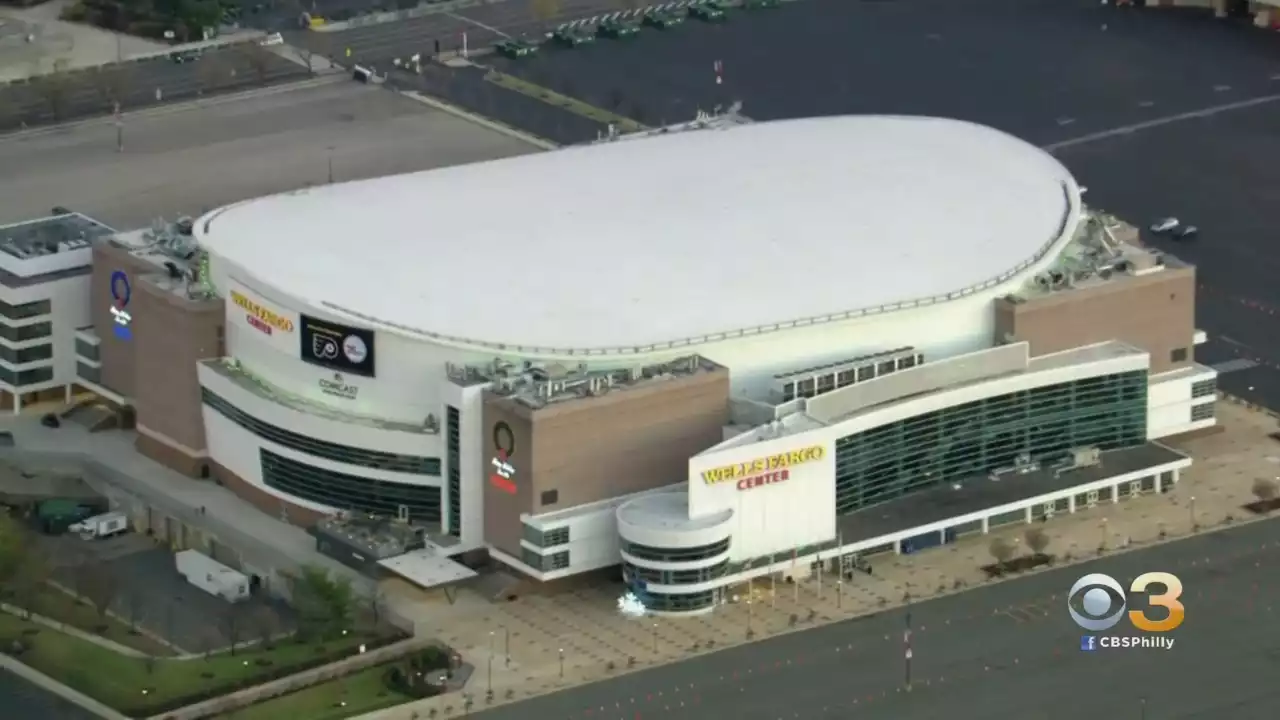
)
(620, 28)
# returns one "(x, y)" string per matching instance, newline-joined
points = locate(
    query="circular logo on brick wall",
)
(504, 440)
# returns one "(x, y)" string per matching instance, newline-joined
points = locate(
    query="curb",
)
(481, 120)
(167, 109)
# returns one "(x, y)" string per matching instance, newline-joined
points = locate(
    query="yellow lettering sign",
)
(771, 463)
(261, 315)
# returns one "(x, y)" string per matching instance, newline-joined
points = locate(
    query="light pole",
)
(906, 655)
(489, 680)
(1192, 511)
(561, 663)
(506, 632)
(655, 638)
(1142, 709)
(330, 149)
(1103, 546)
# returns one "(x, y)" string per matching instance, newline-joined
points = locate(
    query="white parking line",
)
(1063, 122)
(1221, 88)
(1145, 104)
(477, 23)
(1166, 120)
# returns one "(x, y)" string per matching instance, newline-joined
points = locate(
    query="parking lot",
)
(149, 593)
(83, 93)
(483, 23)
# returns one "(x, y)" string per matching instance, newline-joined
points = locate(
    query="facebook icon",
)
(1089, 643)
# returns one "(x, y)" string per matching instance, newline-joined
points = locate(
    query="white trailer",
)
(101, 526)
(212, 576)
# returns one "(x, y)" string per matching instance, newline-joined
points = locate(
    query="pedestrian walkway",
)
(542, 643)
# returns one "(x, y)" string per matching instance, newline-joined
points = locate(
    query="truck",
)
(212, 576)
(101, 526)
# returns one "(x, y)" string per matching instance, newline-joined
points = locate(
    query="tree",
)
(324, 603)
(1264, 490)
(545, 10)
(98, 585)
(14, 546)
(259, 59)
(1002, 551)
(231, 625)
(29, 578)
(308, 58)
(267, 623)
(211, 73)
(55, 88)
(1037, 540)
(112, 85)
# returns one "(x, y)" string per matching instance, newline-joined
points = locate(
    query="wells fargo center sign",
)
(765, 470)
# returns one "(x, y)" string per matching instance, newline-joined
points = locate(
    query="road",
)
(483, 24)
(81, 93)
(186, 159)
(25, 700)
(1007, 650)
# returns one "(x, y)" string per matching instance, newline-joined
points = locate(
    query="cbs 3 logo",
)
(1097, 602)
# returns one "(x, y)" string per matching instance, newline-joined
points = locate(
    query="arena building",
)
(704, 354)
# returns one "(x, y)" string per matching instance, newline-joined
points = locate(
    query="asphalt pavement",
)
(24, 700)
(483, 25)
(89, 92)
(1006, 650)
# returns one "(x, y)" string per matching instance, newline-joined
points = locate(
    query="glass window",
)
(847, 377)
(645, 552)
(1203, 411)
(34, 353)
(886, 367)
(866, 372)
(805, 389)
(89, 373)
(34, 376)
(545, 563)
(964, 441)
(453, 451)
(683, 602)
(378, 460)
(630, 573)
(86, 350)
(349, 492)
(789, 392)
(550, 497)
(826, 384)
(34, 331)
(1178, 355)
(24, 311)
(1204, 388)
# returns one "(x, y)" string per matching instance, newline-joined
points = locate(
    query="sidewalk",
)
(558, 641)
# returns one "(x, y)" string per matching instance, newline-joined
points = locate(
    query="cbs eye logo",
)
(1097, 602)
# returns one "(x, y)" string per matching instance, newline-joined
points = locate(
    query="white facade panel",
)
(793, 506)
(322, 428)
(593, 540)
(68, 311)
(469, 401)
(1170, 402)
(265, 321)
(236, 449)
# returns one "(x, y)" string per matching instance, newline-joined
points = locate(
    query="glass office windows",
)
(26, 310)
(350, 492)
(453, 451)
(975, 438)
(376, 459)
(34, 353)
(1204, 388)
(689, 554)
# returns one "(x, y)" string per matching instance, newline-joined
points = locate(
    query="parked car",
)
(662, 19)
(1164, 225)
(572, 37)
(515, 48)
(758, 4)
(617, 29)
(710, 11)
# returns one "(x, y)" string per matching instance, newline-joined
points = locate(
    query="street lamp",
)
(506, 631)
(561, 663)
(655, 638)
(330, 149)
(1192, 510)
(489, 680)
